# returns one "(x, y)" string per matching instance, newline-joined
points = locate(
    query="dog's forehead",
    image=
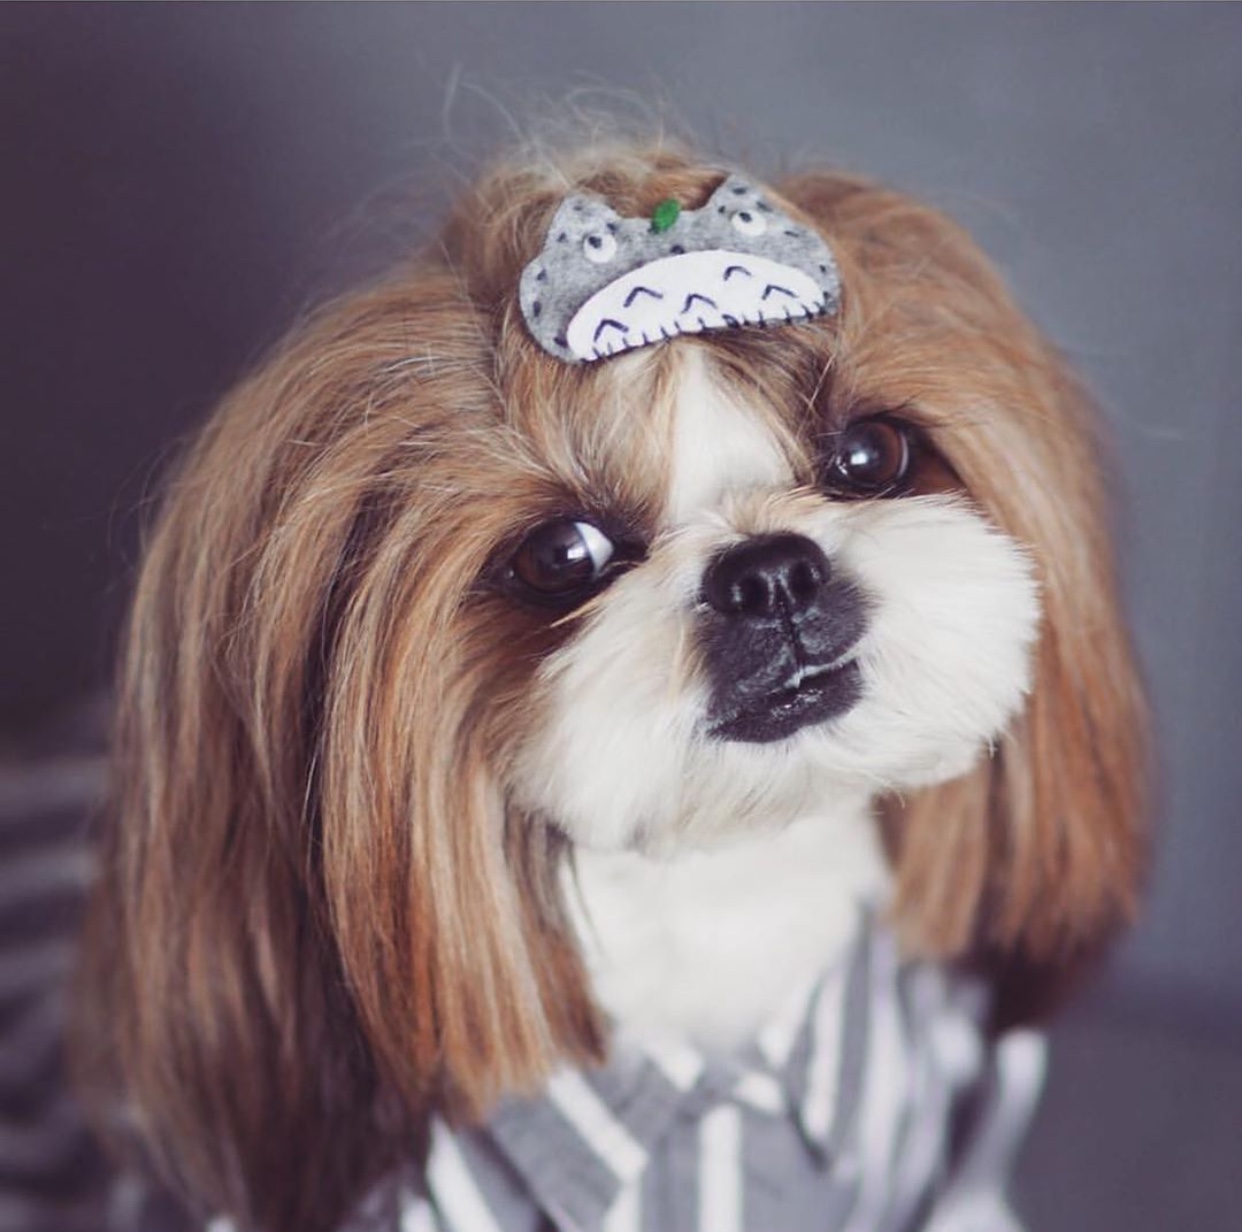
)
(661, 437)
(721, 443)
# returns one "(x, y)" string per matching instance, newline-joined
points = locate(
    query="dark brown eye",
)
(872, 457)
(561, 562)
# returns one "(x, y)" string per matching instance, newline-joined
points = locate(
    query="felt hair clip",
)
(604, 284)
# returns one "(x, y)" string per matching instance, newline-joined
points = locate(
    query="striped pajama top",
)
(873, 1103)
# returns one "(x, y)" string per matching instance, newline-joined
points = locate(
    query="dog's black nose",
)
(766, 577)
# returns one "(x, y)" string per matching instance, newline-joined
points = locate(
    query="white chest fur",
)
(705, 946)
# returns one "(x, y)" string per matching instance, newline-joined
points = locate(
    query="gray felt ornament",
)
(604, 284)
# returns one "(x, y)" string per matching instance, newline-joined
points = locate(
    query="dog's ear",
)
(1031, 862)
(1037, 853)
(307, 931)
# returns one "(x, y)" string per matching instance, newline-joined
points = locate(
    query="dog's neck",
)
(705, 946)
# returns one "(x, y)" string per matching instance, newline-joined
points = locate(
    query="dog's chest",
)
(703, 948)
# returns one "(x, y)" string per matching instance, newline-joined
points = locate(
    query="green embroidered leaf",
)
(664, 215)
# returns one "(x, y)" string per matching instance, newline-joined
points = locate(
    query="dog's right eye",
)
(561, 563)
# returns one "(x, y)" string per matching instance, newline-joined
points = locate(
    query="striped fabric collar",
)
(591, 1133)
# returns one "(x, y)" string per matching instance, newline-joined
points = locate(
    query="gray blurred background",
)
(180, 182)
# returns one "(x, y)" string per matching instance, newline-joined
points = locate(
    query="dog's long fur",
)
(322, 913)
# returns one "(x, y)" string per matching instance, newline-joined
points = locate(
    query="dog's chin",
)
(822, 748)
(751, 775)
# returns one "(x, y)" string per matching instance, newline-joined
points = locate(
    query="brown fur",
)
(318, 920)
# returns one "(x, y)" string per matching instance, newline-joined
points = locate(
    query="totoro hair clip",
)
(604, 284)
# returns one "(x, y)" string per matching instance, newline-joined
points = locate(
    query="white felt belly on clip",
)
(688, 294)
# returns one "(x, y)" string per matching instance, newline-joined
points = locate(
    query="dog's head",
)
(429, 605)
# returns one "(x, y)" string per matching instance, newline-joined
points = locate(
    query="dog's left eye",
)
(872, 457)
(561, 562)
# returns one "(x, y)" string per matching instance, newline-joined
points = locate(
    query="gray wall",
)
(179, 181)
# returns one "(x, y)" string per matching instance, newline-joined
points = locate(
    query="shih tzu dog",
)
(622, 726)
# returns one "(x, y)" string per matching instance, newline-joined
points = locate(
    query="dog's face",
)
(817, 610)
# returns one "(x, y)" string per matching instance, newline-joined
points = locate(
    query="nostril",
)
(802, 582)
(751, 594)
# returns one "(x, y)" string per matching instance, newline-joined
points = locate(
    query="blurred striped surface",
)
(53, 1177)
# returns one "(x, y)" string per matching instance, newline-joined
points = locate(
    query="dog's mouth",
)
(815, 695)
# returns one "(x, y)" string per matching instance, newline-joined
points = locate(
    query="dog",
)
(624, 724)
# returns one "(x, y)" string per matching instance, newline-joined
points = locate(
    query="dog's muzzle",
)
(778, 632)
